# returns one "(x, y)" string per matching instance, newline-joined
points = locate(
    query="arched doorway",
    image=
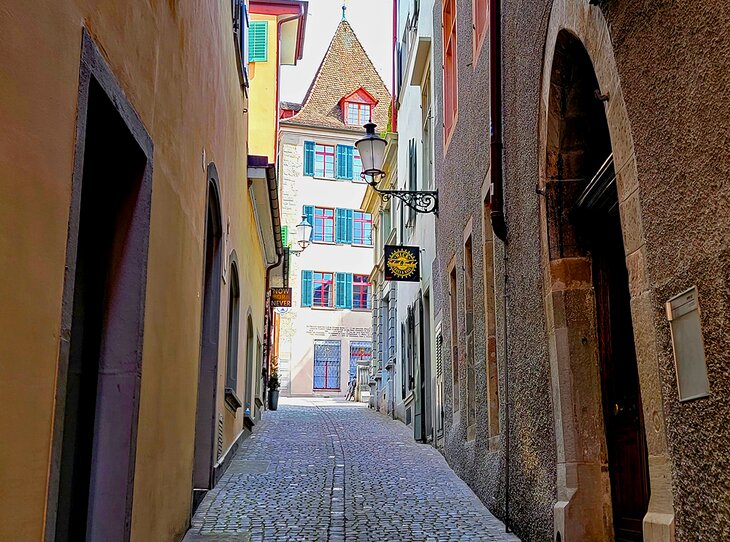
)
(205, 418)
(589, 307)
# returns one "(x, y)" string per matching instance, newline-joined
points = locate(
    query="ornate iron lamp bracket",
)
(421, 201)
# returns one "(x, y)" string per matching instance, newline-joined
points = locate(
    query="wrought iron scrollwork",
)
(421, 201)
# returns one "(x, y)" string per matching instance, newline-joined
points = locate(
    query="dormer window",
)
(357, 114)
(357, 108)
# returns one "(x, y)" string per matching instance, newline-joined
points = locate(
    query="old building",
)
(583, 267)
(325, 336)
(403, 315)
(138, 237)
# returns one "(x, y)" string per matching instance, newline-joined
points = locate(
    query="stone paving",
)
(320, 470)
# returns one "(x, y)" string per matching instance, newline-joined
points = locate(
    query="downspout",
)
(496, 199)
(496, 204)
(276, 225)
(393, 111)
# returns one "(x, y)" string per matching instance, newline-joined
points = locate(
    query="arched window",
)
(234, 295)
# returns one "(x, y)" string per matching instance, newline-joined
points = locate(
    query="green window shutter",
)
(306, 288)
(348, 290)
(341, 290)
(258, 41)
(309, 158)
(348, 227)
(285, 236)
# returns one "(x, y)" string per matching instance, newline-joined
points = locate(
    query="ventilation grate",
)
(219, 451)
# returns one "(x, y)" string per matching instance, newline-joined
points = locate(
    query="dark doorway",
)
(205, 421)
(100, 364)
(584, 223)
(426, 387)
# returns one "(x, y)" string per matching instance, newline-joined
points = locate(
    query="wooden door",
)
(625, 437)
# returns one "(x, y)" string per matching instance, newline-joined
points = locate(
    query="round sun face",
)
(402, 264)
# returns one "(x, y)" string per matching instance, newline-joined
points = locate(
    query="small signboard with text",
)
(402, 263)
(281, 297)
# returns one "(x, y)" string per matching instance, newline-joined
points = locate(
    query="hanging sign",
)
(281, 297)
(402, 263)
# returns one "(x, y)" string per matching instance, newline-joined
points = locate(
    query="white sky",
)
(372, 21)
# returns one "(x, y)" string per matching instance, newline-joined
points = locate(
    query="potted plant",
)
(273, 391)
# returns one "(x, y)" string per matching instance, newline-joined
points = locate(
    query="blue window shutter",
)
(347, 172)
(258, 41)
(306, 288)
(309, 158)
(341, 162)
(348, 290)
(340, 226)
(340, 291)
(348, 226)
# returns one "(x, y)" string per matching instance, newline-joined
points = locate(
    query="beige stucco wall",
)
(301, 326)
(176, 64)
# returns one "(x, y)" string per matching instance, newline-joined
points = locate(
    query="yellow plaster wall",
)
(262, 105)
(176, 63)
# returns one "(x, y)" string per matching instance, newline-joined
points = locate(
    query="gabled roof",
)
(345, 69)
(360, 96)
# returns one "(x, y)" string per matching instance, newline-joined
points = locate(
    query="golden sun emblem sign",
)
(402, 264)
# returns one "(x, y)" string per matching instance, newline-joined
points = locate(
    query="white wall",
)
(301, 326)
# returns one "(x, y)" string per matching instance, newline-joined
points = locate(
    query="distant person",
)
(350, 391)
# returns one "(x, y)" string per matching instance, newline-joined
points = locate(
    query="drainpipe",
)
(496, 200)
(276, 225)
(393, 111)
(496, 204)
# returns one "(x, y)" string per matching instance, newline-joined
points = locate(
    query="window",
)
(324, 161)
(258, 50)
(233, 325)
(323, 227)
(362, 228)
(360, 292)
(469, 320)
(356, 167)
(455, 388)
(450, 69)
(357, 114)
(490, 324)
(361, 352)
(240, 36)
(322, 289)
(331, 161)
(326, 365)
(480, 12)
(427, 132)
(412, 177)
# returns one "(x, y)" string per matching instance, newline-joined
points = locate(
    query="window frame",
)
(325, 154)
(451, 70)
(361, 287)
(327, 362)
(323, 219)
(323, 282)
(479, 27)
(360, 223)
(363, 112)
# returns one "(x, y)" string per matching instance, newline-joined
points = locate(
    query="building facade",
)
(138, 245)
(581, 403)
(325, 338)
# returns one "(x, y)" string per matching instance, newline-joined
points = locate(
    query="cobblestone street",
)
(323, 470)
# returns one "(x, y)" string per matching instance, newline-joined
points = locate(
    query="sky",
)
(370, 19)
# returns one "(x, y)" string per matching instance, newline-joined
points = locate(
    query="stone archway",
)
(584, 508)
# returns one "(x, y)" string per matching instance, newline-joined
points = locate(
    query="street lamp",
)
(304, 235)
(372, 154)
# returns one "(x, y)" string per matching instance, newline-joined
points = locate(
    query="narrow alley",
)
(326, 470)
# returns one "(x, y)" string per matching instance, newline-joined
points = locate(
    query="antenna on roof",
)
(344, 9)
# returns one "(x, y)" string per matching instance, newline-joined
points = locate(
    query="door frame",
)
(94, 67)
(578, 510)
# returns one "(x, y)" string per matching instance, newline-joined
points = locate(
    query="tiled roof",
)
(344, 69)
